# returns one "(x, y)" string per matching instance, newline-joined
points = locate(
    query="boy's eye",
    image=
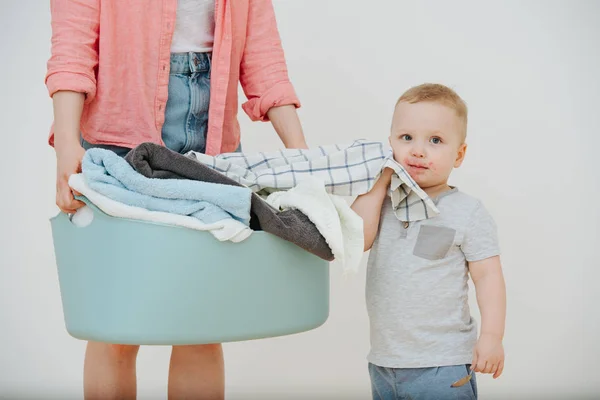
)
(406, 137)
(436, 140)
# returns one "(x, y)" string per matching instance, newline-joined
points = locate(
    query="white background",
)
(529, 73)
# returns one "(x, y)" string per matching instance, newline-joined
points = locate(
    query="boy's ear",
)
(462, 150)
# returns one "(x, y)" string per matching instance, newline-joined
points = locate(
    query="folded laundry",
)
(224, 230)
(110, 175)
(158, 162)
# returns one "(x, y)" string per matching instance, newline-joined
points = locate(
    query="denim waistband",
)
(187, 63)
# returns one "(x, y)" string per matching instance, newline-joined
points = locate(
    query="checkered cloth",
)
(348, 170)
(410, 202)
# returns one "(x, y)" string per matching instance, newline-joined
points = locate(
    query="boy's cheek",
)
(398, 155)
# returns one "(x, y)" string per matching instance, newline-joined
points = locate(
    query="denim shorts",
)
(186, 111)
(421, 383)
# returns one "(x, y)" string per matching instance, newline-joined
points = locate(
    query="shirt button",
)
(160, 107)
(164, 67)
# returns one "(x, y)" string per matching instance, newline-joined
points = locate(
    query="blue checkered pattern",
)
(410, 202)
(348, 170)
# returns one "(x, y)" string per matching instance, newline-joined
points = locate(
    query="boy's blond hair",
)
(437, 93)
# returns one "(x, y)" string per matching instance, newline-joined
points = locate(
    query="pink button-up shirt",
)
(117, 52)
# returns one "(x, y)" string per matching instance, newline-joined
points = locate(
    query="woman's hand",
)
(68, 106)
(68, 162)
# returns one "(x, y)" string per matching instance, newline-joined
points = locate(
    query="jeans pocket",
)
(433, 242)
(472, 382)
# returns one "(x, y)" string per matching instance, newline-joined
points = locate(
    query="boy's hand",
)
(386, 176)
(368, 206)
(488, 355)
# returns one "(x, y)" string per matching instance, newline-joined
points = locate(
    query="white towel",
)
(225, 230)
(341, 227)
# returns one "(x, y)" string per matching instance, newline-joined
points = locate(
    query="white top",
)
(194, 27)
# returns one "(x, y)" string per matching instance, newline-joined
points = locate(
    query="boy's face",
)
(427, 141)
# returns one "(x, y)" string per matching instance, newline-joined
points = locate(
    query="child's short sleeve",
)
(480, 240)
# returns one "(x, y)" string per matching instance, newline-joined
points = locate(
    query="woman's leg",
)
(197, 372)
(109, 371)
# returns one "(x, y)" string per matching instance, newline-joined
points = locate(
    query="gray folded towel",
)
(155, 161)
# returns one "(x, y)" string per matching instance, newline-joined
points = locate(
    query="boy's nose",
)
(417, 151)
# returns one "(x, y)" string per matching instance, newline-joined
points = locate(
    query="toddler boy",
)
(423, 338)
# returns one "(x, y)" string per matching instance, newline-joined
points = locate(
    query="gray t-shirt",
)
(417, 284)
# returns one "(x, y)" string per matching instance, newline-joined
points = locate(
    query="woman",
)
(165, 71)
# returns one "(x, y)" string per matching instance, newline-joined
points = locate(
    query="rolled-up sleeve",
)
(263, 71)
(74, 50)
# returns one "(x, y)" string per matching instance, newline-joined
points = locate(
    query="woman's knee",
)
(199, 349)
(116, 351)
(124, 351)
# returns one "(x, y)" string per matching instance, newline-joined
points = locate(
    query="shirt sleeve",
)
(481, 237)
(74, 47)
(263, 71)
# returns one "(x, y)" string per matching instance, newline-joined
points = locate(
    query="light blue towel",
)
(112, 176)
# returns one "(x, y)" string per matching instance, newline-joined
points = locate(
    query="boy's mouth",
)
(417, 166)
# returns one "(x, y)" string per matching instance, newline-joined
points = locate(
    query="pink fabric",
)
(118, 53)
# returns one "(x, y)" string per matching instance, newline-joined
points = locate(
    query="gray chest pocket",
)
(433, 242)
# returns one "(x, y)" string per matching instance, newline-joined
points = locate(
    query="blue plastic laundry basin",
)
(133, 282)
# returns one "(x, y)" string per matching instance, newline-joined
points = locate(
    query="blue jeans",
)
(421, 383)
(186, 112)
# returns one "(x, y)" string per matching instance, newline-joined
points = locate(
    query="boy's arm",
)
(368, 206)
(488, 355)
